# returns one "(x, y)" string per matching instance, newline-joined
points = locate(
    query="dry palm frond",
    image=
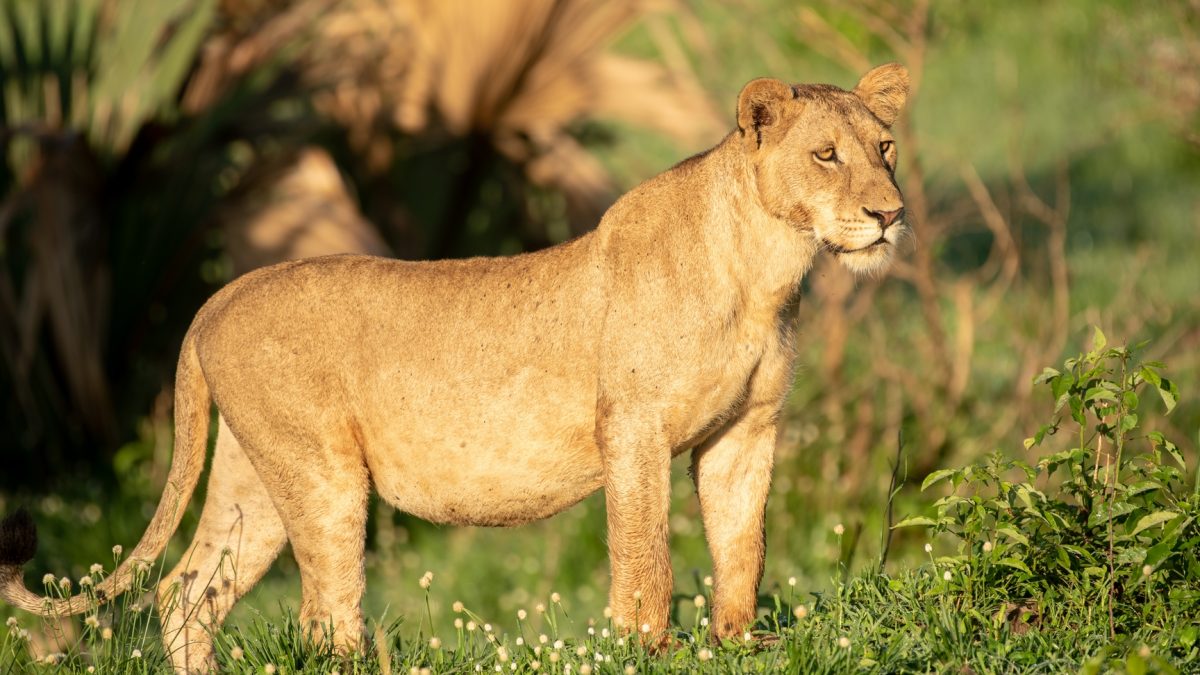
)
(519, 73)
(66, 285)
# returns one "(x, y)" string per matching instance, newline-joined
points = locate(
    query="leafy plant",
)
(1108, 516)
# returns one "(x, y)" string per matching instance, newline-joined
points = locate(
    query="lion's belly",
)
(467, 479)
(488, 452)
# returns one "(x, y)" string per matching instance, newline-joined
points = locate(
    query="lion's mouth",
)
(838, 249)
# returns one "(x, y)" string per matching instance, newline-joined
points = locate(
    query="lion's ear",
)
(760, 107)
(884, 90)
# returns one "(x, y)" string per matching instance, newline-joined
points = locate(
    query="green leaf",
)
(1015, 564)
(1098, 339)
(1134, 555)
(1130, 398)
(1099, 393)
(937, 477)
(1046, 375)
(1083, 553)
(1187, 636)
(1160, 552)
(1156, 518)
(1077, 411)
(915, 521)
(1128, 423)
(1148, 374)
(1013, 534)
(1169, 392)
(1102, 512)
(1141, 487)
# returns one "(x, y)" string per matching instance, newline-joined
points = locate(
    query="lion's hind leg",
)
(240, 534)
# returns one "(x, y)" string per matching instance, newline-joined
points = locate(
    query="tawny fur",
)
(498, 391)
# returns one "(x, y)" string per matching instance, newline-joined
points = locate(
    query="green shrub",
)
(1109, 521)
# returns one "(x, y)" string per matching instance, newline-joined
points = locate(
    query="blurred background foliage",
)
(154, 149)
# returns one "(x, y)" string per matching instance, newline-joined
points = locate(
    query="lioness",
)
(498, 391)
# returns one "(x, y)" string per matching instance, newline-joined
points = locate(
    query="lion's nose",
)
(886, 218)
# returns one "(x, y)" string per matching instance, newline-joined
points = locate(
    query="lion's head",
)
(824, 160)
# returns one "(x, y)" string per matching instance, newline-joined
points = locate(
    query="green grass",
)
(918, 621)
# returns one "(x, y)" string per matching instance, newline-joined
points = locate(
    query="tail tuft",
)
(18, 538)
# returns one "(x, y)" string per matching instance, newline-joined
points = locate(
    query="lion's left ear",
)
(884, 90)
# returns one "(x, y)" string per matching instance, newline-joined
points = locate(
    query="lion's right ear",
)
(760, 108)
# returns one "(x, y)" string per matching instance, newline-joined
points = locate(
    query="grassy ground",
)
(920, 621)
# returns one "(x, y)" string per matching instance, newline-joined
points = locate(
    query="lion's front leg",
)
(637, 499)
(733, 475)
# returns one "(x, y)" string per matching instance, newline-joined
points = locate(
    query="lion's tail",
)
(18, 535)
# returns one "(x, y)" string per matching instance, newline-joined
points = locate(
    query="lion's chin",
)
(869, 261)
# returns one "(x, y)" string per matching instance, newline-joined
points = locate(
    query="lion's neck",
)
(765, 256)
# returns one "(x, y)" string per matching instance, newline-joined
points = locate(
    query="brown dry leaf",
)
(293, 207)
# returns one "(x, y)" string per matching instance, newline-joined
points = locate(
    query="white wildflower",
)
(457, 607)
(704, 654)
(839, 529)
(136, 654)
(117, 550)
(800, 611)
(237, 654)
(698, 601)
(521, 614)
(844, 642)
(435, 643)
(555, 598)
(96, 568)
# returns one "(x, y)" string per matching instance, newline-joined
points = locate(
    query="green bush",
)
(1108, 520)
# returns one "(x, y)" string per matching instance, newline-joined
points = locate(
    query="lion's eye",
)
(885, 147)
(826, 155)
